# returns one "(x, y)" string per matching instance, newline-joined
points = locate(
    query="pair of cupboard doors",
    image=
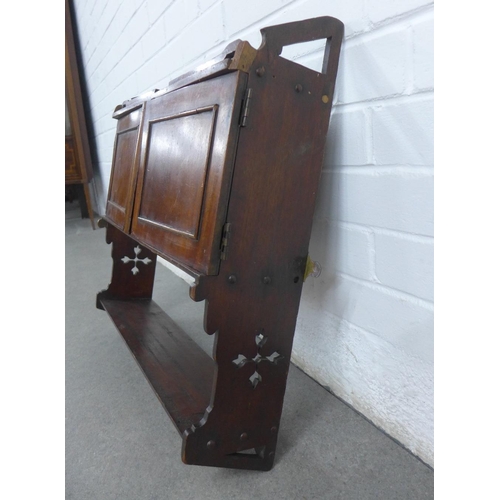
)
(172, 168)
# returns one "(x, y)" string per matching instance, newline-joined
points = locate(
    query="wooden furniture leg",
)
(133, 269)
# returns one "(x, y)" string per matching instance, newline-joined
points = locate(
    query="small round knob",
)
(244, 436)
(211, 445)
(266, 280)
(232, 279)
(260, 71)
(298, 87)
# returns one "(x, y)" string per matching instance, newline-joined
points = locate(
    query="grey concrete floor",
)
(120, 443)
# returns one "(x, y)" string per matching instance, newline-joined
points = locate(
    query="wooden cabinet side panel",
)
(254, 301)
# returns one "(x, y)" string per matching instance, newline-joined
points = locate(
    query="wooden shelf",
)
(179, 371)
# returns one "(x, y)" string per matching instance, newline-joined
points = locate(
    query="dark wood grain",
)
(179, 371)
(212, 159)
(175, 177)
(124, 169)
(237, 55)
(127, 283)
(188, 147)
(257, 291)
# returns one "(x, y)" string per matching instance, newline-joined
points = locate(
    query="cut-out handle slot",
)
(274, 38)
(306, 54)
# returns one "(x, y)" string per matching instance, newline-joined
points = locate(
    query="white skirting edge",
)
(188, 279)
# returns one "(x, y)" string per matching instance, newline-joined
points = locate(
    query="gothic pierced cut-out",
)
(242, 360)
(137, 251)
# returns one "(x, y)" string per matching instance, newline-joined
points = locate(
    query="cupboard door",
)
(124, 169)
(188, 148)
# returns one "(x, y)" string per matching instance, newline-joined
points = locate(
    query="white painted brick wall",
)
(392, 198)
(423, 54)
(365, 325)
(402, 132)
(349, 138)
(374, 66)
(387, 11)
(405, 263)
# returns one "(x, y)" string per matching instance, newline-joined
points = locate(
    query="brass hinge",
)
(225, 239)
(245, 108)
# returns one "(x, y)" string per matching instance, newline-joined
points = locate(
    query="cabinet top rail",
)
(239, 56)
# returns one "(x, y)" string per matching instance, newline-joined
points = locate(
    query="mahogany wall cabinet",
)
(218, 174)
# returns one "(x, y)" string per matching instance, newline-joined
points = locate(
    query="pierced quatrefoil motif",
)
(135, 260)
(242, 360)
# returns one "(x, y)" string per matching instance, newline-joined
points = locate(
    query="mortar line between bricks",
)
(416, 238)
(158, 49)
(382, 169)
(190, 23)
(180, 70)
(97, 43)
(108, 51)
(268, 18)
(166, 6)
(374, 29)
(410, 67)
(393, 292)
(357, 105)
(92, 8)
(377, 229)
(372, 256)
(370, 146)
(81, 13)
(390, 24)
(418, 96)
(223, 18)
(138, 41)
(80, 6)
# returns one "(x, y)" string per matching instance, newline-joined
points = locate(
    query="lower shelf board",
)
(179, 371)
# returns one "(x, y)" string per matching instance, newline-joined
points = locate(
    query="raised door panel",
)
(178, 160)
(188, 147)
(124, 170)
